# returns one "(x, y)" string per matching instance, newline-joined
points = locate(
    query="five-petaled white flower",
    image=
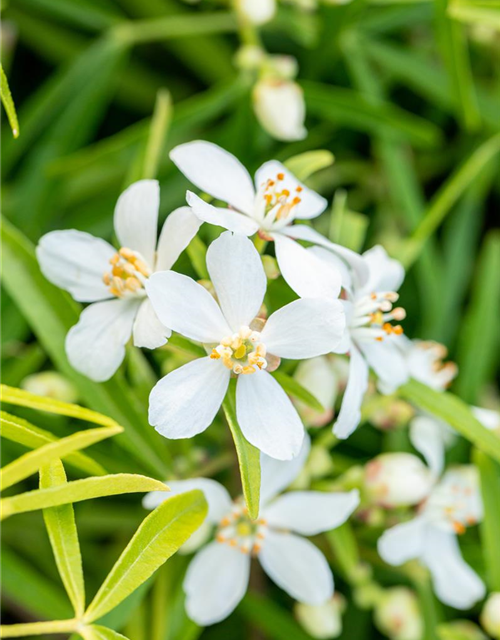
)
(217, 578)
(431, 537)
(185, 402)
(270, 208)
(92, 270)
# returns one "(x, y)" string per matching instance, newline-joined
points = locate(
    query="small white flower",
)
(257, 12)
(322, 621)
(94, 271)
(280, 108)
(217, 578)
(490, 615)
(398, 615)
(425, 363)
(185, 402)
(431, 537)
(270, 208)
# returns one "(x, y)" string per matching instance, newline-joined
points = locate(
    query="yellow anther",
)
(107, 279)
(132, 284)
(296, 200)
(233, 543)
(248, 370)
(298, 189)
(376, 318)
(142, 267)
(379, 339)
(281, 176)
(388, 328)
(127, 253)
(215, 354)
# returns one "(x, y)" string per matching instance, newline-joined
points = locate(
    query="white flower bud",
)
(397, 615)
(280, 108)
(397, 480)
(490, 615)
(51, 385)
(319, 377)
(324, 620)
(249, 57)
(257, 12)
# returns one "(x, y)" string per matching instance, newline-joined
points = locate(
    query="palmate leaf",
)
(248, 455)
(30, 462)
(159, 536)
(79, 490)
(63, 536)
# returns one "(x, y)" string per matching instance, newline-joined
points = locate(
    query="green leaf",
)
(159, 536)
(96, 632)
(453, 411)
(343, 543)
(306, 164)
(489, 472)
(347, 228)
(248, 455)
(267, 616)
(61, 527)
(474, 13)
(20, 431)
(79, 490)
(31, 462)
(296, 390)
(8, 103)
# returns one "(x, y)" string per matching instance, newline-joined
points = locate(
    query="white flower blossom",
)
(185, 402)
(93, 271)
(431, 537)
(217, 578)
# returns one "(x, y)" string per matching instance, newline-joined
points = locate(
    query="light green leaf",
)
(454, 412)
(23, 432)
(38, 628)
(296, 390)
(347, 228)
(248, 455)
(96, 632)
(306, 164)
(475, 13)
(79, 490)
(63, 536)
(159, 536)
(31, 462)
(8, 103)
(343, 543)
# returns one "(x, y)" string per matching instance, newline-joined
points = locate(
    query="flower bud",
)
(318, 376)
(51, 385)
(397, 480)
(490, 615)
(257, 12)
(397, 615)
(324, 620)
(280, 108)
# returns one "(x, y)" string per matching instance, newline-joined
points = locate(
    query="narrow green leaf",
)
(8, 103)
(429, 607)
(267, 616)
(489, 472)
(248, 455)
(79, 490)
(306, 164)
(347, 228)
(159, 536)
(344, 546)
(296, 390)
(453, 411)
(37, 628)
(20, 431)
(61, 527)
(31, 462)
(471, 13)
(96, 632)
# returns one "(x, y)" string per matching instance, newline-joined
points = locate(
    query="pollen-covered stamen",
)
(276, 202)
(238, 531)
(243, 352)
(373, 315)
(128, 273)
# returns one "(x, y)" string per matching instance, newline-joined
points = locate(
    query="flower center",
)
(277, 203)
(455, 503)
(243, 352)
(128, 274)
(238, 531)
(373, 315)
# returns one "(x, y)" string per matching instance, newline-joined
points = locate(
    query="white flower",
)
(322, 621)
(425, 363)
(398, 616)
(185, 402)
(490, 615)
(257, 12)
(280, 108)
(431, 537)
(270, 208)
(397, 480)
(94, 271)
(217, 578)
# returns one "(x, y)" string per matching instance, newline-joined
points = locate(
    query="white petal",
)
(185, 402)
(216, 172)
(238, 276)
(455, 582)
(357, 384)
(426, 435)
(219, 502)
(95, 346)
(185, 306)
(297, 566)
(178, 230)
(267, 417)
(277, 475)
(353, 260)
(226, 218)
(388, 361)
(311, 204)
(76, 262)
(305, 328)
(403, 542)
(148, 330)
(136, 218)
(386, 274)
(306, 274)
(336, 262)
(311, 512)
(215, 582)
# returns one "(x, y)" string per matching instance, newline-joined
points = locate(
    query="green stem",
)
(38, 628)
